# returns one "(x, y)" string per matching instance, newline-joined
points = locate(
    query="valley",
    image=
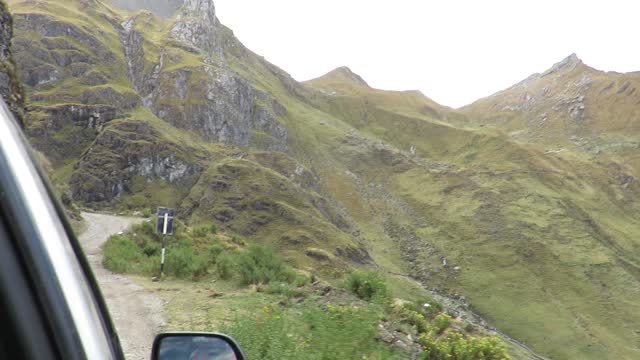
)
(522, 205)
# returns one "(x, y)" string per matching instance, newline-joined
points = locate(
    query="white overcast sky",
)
(454, 51)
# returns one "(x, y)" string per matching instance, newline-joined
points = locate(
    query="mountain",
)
(10, 87)
(530, 224)
(570, 106)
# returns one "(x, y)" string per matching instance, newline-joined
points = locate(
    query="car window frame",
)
(63, 288)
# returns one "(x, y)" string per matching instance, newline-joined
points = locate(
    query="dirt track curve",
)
(136, 312)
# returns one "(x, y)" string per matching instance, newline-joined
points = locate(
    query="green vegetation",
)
(259, 265)
(310, 332)
(298, 319)
(456, 346)
(138, 252)
(368, 286)
(191, 254)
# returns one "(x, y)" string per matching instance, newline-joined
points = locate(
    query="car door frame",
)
(54, 302)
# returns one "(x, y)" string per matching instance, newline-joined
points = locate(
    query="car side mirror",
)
(195, 346)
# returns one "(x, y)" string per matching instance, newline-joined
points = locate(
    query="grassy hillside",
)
(521, 207)
(530, 238)
(248, 291)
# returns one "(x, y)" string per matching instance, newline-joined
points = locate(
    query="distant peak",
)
(344, 73)
(567, 64)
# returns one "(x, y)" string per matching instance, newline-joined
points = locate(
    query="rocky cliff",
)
(10, 87)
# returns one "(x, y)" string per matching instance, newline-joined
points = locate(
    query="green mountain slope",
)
(478, 204)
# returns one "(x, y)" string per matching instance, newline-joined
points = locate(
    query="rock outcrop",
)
(126, 150)
(197, 25)
(64, 131)
(207, 97)
(10, 86)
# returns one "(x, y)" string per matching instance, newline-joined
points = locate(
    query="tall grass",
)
(311, 332)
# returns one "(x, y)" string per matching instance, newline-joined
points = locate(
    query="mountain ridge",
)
(135, 110)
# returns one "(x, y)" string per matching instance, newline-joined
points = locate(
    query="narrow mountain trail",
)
(137, 313)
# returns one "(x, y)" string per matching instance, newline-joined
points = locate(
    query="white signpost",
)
(164, 226)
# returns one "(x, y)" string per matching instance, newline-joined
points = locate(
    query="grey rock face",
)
(48, 27)
(228, 108)
(129, 149)
(84, 116)
(10, 87)
(134, 55)
(95, 96)
(63, 131)
(197, 25)
(209, 99)
(569, 63)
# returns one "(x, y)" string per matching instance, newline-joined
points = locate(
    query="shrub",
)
(147, 228)
(214, 251)
(138, 251)
(429, 308)
(236, 240)
(416, 319)
(468, 327)
(455, 346)
(301, 280)
(368, 286)
(258, 264)
(441, 323)
(224, 265)
(183, 261)
(213, 229)
(311, 332)
(179, 259)
(151, 248)
(200, 231)
(281, 288)
(120, 254)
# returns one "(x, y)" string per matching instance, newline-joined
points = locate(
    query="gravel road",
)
(136, 312)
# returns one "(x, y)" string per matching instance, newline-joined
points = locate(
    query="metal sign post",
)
(164, 226)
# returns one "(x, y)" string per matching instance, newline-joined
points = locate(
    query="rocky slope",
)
(136, 111)
(571, 106)
(10, 86)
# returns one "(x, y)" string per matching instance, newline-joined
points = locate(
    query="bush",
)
(281, 288)
(368, 286)
(224, 265)
(214, 251)
(121, 254)
(441, 323)
(416, 319)
(258, 264)
(138, 251)
(429, 308)
(236, 240)
(301, 280)
(213, 229)
(183, 261)
(455, 346)
(179, 259)
(311, 332)
(200, 231)
(151, 248)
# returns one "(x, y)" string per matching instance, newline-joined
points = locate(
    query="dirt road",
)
(136, 312)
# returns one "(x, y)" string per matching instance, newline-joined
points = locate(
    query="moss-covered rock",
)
(10, 86)
(126, 150)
